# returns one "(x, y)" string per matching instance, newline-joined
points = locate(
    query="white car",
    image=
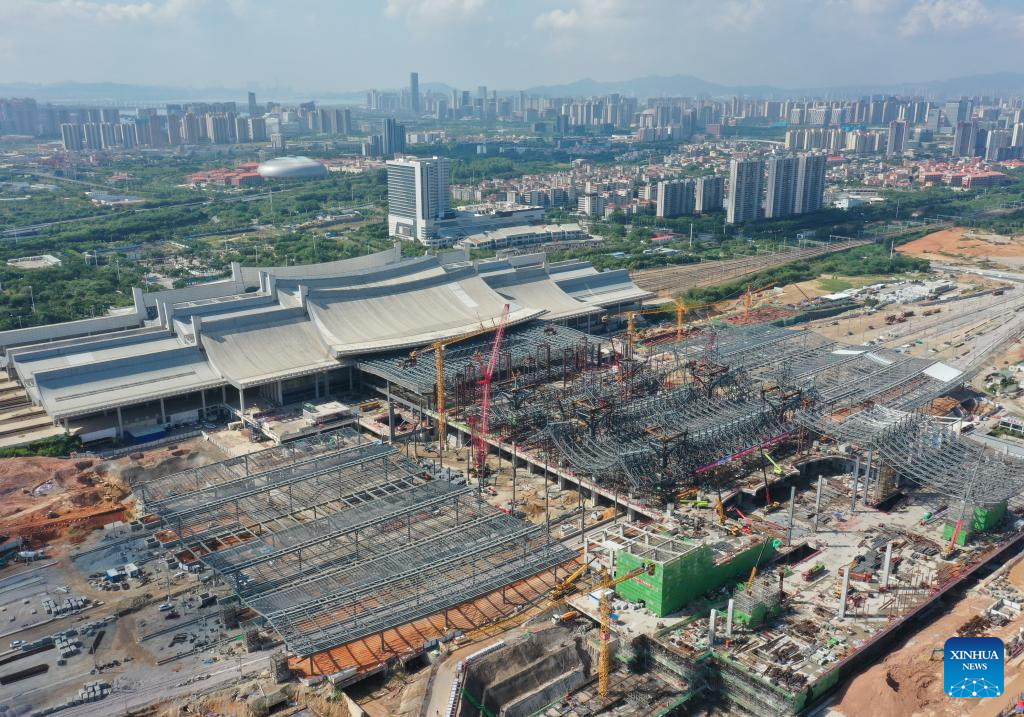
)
(165, 607)
(15, 644)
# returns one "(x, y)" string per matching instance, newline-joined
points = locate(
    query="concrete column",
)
(845, 591)
(867, 476)
(163, 413)
(327, 384)
(391, 415)
(316, 385)
(241, 401)
(728, 620)
(202, 401)
(792, 505)
(280, 392)
(817, 503)
(711, 628)
(853, 484)
(351, 378)
(224, 394)
(887, 565)
(120, 424)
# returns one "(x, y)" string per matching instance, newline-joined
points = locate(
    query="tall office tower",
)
(481, 92)
(1018, 135)
(242, 129)
(744, 190)
(217, 129)
(780, 194)
(71, 135)
(91, 133)
(675, 197)
(810, 182)
(997, 140)
(964, 139)
(897, 140)
(392, 138)
(252, 104)
(257, 129)
(957, 111)
(414, 92)
(709, 193)
(418, 197)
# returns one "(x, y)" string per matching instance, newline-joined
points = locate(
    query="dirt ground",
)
(909, 682)
(36, 490)
(969, 244)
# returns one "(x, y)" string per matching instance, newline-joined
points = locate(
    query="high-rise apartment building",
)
(257, 129)
(675, 197)
(997, 140)
(71, 135)
(91, 135)
(744, 190)
(418, 197)
(709, 193)
(965, 138)
(217, 129)
(810, 182)
(414, 92)
(252, 104)
(896, 143)
(780, 193)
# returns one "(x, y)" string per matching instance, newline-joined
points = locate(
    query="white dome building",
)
(292, 168)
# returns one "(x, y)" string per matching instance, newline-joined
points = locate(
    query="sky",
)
(351, 45)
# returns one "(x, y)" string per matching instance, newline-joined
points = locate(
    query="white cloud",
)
(432, 9)
(592, 14)
(738, 14)
(557, 19)
(943, 16)
(102, 11)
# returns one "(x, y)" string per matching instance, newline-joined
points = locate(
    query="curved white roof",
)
(272, 346)
(383, 318)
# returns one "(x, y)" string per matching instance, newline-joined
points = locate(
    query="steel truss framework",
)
(535, 350)
(356, 541)
(655, 425)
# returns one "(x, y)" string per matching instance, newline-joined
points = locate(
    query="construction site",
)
(563, 517)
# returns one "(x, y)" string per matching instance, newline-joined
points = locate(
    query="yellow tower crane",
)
(439, 347)
(604, 663)
(631, 322)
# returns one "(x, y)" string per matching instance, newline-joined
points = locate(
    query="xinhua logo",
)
(973, 667)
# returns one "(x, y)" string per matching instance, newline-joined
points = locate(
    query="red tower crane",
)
(484, 425)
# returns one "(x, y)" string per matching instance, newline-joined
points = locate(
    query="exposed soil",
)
(56, 500)
(966, 243)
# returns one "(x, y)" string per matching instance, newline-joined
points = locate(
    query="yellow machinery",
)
(776, 468)
(604, 663)
(720, 509)
(439, 346)
(631, 323)
(561, 589)
(750, 580)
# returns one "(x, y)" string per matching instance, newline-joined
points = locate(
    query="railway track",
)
(674, 279)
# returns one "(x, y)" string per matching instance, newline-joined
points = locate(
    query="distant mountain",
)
(115, 94)
(112, 93)
(999, 83)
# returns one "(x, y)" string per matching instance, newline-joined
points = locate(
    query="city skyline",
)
(257, 45)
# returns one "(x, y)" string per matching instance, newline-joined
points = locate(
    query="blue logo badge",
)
(973, 667)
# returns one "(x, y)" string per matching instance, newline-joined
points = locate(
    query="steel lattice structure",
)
(353, 541)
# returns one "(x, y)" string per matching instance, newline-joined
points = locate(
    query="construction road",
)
(675, 279)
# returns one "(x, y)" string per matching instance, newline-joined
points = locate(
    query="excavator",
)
(604, 663)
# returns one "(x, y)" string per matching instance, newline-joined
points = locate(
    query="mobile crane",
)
(604, 663)
(439, 346)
